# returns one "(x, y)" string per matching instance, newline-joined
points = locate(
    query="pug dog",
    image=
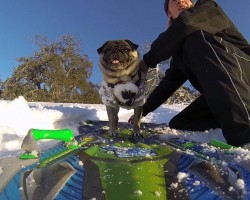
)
(123, 83)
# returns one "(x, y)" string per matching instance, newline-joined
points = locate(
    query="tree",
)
(153, 78)
(1, 88)
(183, 95)
(57, 72)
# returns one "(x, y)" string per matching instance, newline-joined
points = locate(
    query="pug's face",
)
(118, 54)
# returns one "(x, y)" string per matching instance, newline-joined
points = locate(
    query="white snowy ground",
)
(18, 116)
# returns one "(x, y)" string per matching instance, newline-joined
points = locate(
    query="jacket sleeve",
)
(246, 50)
(205, 15)
(172, 80)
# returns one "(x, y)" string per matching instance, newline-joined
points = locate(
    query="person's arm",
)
(205, 15)
(172, 80)
(246, 50)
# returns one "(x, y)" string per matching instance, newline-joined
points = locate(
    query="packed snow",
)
(181, 176)
(19, 116)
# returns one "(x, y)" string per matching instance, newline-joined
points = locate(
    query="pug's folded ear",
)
(99, 50)
(132, 45)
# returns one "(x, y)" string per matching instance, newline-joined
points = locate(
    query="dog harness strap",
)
(137, 83)
(111, 85)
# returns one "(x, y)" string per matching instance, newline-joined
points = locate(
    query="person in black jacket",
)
(207, 49)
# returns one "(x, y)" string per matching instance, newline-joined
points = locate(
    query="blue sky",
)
(92, 22)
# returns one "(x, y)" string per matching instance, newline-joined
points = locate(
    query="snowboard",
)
(121, 168)
(190, 170)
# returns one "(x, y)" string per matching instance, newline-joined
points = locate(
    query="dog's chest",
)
(127, 95)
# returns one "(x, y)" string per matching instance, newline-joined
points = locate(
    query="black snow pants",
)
(223, 74)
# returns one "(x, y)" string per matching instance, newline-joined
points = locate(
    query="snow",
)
(197, 183)
(181, 176)
(240, 184)
(157, 193)
(174, 185)
(138, 192)
(230, 189)
(19, 116)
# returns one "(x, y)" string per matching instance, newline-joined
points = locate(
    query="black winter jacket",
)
(205, 15)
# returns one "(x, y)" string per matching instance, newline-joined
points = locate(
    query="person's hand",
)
(131, 120)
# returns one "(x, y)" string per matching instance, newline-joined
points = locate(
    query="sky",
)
(93, 22)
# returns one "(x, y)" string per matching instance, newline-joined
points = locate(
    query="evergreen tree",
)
(1, 88)
(57, 72)
(183, 95)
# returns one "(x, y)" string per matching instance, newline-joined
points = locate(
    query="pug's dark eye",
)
(107, 51)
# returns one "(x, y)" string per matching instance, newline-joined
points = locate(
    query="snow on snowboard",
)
(96, 166)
